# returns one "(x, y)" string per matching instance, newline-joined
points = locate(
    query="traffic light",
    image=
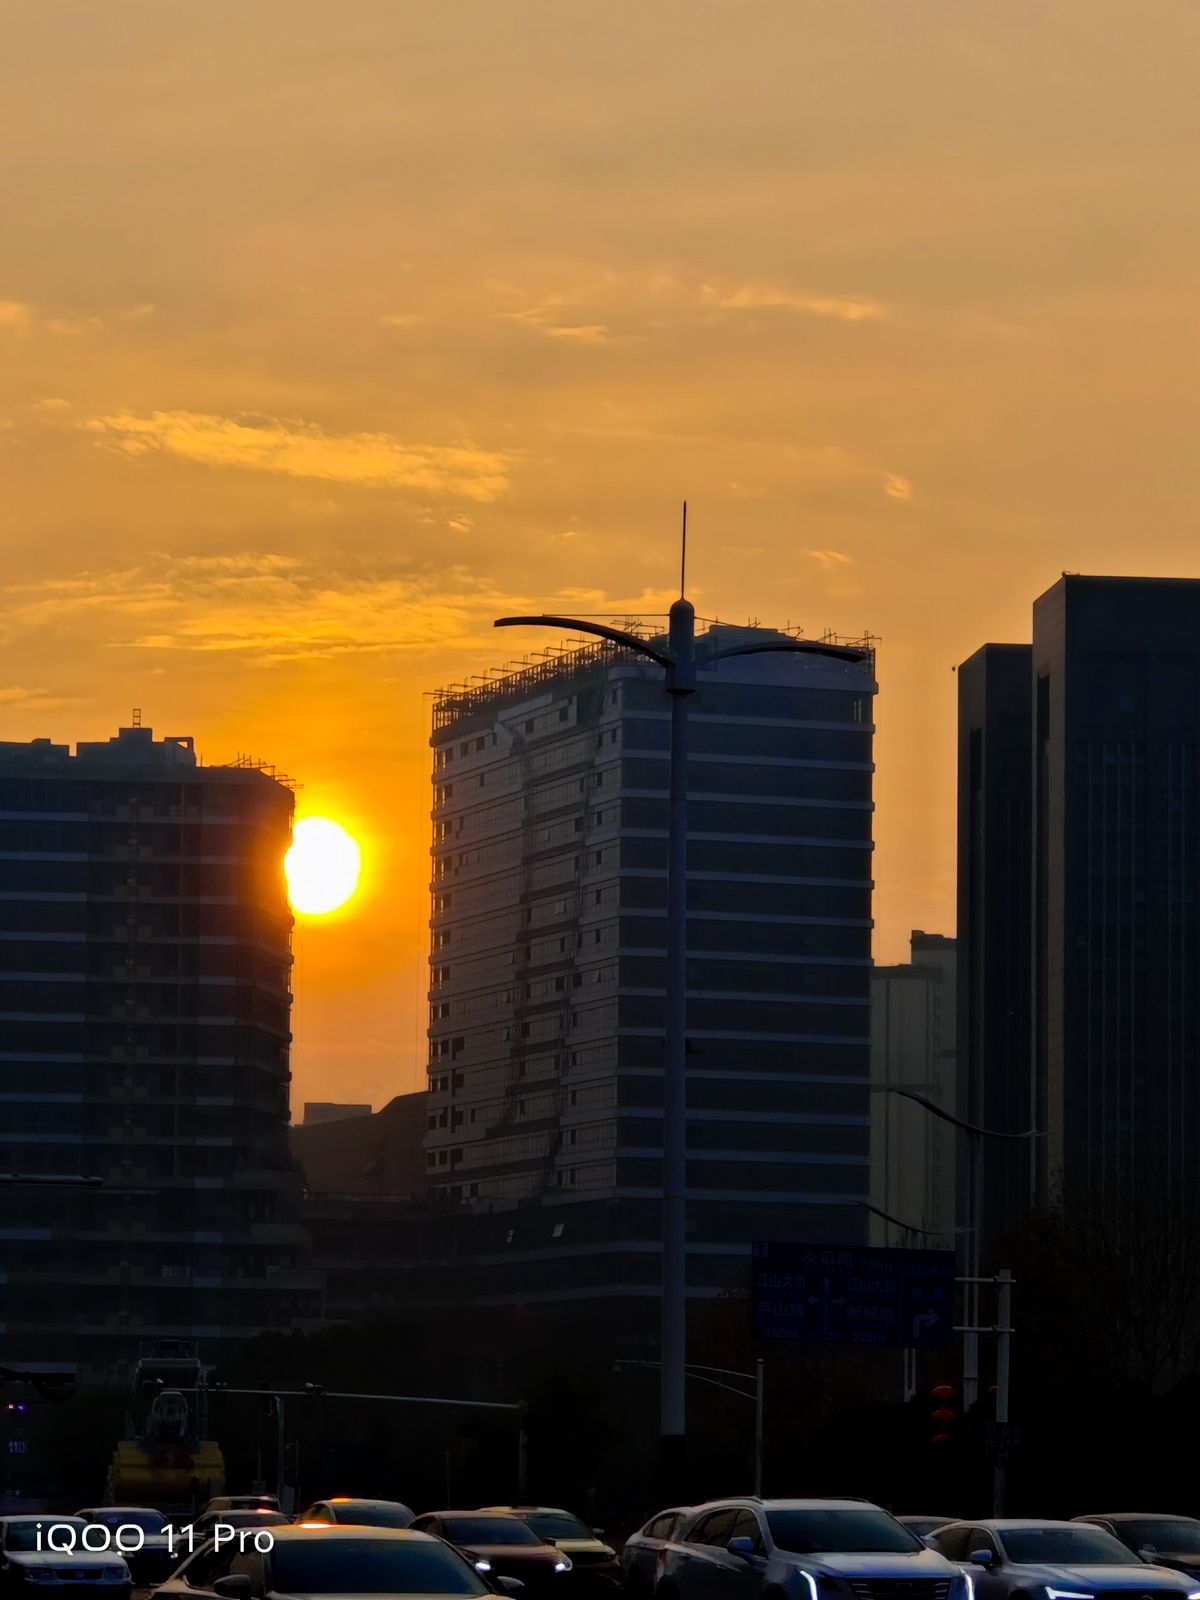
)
(944, 1413)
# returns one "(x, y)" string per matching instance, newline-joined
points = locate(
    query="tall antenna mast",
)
(683, 556)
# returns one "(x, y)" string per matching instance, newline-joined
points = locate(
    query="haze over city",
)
(337, 337)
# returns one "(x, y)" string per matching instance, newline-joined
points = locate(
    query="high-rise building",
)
(1079, 926)
(1116, 882)
(913, 1045)
(995, 804)
(547, 998)
(144, 1039)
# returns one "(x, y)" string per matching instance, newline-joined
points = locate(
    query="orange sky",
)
(328, 333)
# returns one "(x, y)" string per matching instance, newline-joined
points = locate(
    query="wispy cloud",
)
(897, 488)
(271, 608)
(302, 450)
(766, 297)
(829, 559)
(15, 314)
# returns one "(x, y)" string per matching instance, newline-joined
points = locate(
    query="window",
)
(745, 1526)
(865, 1531)
(563, 713)
(713, 1529)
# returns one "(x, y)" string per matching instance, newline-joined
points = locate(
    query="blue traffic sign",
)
(828, 1294)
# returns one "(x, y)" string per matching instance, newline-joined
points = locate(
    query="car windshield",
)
(148, 1521)
(23, 1535)
(557, 1525)
(487, 1530)
(1177, 1535)
(371, 1566)
(367, 1515)
(1073, 1547)
(851, 1531)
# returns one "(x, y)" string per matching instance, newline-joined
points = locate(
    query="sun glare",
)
(322, 866)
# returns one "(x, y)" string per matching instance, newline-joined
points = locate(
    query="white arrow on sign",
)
(924, 1319)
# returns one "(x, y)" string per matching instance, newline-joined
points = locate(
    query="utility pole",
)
(1004, 1333)
(759, 1404)
(972, 1252)
(679, 663)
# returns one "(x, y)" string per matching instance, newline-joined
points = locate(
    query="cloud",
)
(52, 402)
(829, 559)
(302, 450)
(897, 488)
(15, 314)
(582, 333)
(764, 297)
(402, 319)
(273, 608)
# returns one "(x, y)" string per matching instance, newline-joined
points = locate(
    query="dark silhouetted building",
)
(1116, 665)
(547, 1004)
(1080, 887)
(144, 1041)
(995, 804)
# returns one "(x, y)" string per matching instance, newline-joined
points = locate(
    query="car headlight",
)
(968, 1586)
(562, 1565)
(114, 1575)
(483, 1566)
(811, 1582)
(1067, 1594)
(39, 1575)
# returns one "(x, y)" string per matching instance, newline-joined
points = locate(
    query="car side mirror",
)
(741, 1546)
(234, 1586)
(981, 1558)
(1148, 1552)
(599, 1532)
(508, 1585)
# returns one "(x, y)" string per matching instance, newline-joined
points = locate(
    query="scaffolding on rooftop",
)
(545, 668)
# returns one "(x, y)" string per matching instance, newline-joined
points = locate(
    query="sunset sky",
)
(330, 332)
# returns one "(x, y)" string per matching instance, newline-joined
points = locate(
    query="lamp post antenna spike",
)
(683, 556)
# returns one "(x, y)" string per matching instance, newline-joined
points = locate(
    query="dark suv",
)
(802, 1550)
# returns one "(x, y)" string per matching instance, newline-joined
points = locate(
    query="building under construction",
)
(547, 1000)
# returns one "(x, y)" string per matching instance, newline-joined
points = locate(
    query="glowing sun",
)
(322, 866)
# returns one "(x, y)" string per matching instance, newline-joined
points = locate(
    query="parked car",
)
(745, 1548)
(503, 1546)
(242, 1502)
(1018, 1559)
(156, 1559)
(639, 1556)
(345, 1510)
(25, 1569)
(205, 1525)
(924, 1526)
(1167, 1541)
(328, 1560)
(594, 1562)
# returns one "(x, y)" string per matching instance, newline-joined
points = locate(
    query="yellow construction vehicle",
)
(164, 1460)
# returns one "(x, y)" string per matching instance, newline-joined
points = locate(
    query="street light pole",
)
(973, 1254)
(678, 659)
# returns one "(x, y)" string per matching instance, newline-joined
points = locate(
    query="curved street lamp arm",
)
(968, 1127)
(796, 646)
(578, 625)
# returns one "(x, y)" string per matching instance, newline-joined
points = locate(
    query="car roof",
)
(336, 1530)
(1008, 1524)
(500, 1516)
(1137, 1516)
(152, 1511)
(815, 1504)
(524, 1511)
